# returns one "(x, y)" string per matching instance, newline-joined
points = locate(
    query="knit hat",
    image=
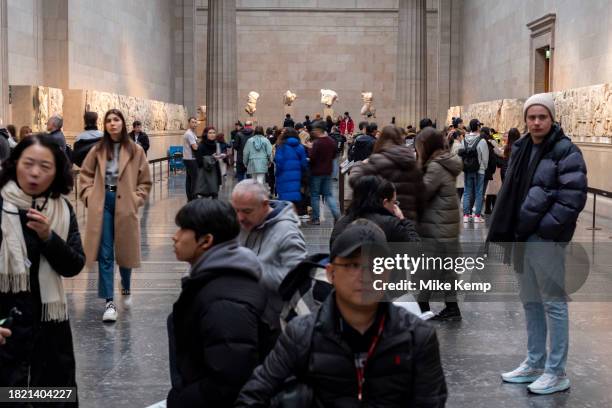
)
(544, 99)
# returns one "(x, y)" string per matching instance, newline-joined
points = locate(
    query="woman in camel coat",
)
(115, 182)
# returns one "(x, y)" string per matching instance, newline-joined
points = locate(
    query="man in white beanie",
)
(543, 193)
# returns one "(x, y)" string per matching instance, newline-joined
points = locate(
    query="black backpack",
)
(469, 156)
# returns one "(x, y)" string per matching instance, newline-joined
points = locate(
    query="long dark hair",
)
(368, 195)
(390, 136)
(286, 134)
(513, 136)
(106, 143)
(204, 136)
(63, 181)
(428, 142)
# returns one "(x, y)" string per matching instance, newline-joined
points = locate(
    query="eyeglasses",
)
(353, 266)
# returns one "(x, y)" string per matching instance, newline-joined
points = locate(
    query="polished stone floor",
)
(126, 364)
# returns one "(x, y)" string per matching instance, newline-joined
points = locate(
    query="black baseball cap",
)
(474, 123)
(358, 234)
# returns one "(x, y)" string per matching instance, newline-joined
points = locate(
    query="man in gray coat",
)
(271, 230)
(54, 128)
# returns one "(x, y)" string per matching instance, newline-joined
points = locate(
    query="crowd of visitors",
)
(229, 342)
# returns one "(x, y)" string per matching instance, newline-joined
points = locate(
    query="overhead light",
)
(548, 54)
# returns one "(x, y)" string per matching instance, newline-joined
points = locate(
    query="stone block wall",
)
(584, 113)
(32, 105)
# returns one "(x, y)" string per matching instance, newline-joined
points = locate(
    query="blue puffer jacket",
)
(558, 191)
(290, 160)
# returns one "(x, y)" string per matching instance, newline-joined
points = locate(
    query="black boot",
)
(449, 313)
(488, 205)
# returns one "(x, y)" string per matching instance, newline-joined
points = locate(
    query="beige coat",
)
(133, 186)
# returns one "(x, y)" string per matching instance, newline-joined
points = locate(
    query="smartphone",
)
(8, 322)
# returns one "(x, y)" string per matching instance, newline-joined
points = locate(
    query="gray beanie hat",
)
(544, 99)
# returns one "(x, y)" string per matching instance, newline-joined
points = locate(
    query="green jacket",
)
(257, 154)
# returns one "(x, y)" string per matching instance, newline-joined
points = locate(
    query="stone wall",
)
(501, 114)
(349, 46)
(584, 113)
(32, 105)
(496, 46)
(124, 47)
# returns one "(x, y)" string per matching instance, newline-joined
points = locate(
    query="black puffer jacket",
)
(240, 141)
(558, 190)
(395, 230)
(213, 328)
(398, 165)
(404, 371)
(42, 350)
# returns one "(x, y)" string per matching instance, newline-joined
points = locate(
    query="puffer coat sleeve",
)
(284, 361)
(557, 195)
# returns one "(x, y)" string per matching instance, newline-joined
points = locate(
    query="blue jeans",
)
(321, 185)
(335, 169)
(473, 192)
(106, 253)
(542, 289)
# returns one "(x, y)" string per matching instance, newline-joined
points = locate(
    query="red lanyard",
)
(361, 370)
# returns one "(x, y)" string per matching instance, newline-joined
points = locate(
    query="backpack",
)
(304, 288)
(469, 156)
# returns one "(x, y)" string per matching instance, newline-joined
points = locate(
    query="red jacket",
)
(347, 126)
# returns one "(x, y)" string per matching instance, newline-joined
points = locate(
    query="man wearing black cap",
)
(475, 155)
(354, 351)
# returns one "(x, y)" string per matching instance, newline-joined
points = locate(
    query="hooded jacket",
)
(482, 149)
(83, 144)
(440, 217)
(398, 165)
(213, 328)
(279, 246)
(403, 371)
(290, 160)
(257, 154)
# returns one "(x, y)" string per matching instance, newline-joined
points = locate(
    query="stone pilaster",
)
(411, 80)
(184, 51)
(221, 78)
(4, 70)
(449, 57)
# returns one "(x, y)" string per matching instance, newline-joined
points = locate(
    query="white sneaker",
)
(523, 374)
(478, 219)
(110, 313)
(549, 384)
(126, 298)
(466, 219)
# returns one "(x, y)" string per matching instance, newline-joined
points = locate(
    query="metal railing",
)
(152, 162)
(596, 192)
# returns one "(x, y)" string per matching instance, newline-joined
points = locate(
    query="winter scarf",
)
(14, 262)
(513, 193)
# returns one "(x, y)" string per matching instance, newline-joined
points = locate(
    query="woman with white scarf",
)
(39, 245)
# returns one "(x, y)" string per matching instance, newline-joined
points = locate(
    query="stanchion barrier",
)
(596, 192)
